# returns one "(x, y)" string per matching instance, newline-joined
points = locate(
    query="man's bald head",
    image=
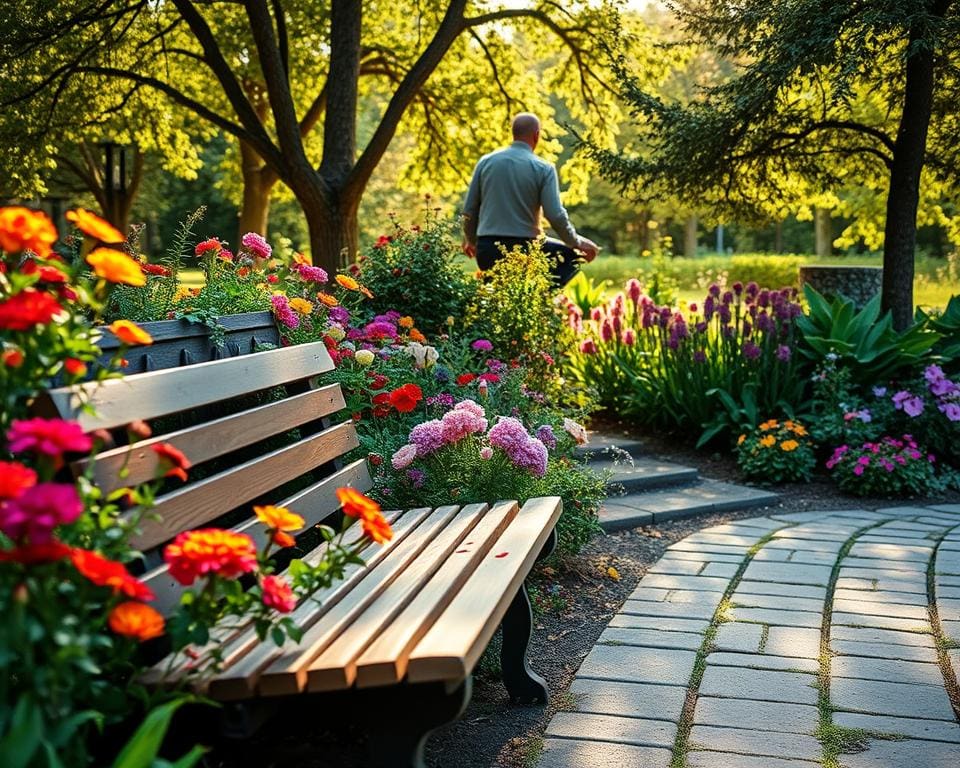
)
(526, 127)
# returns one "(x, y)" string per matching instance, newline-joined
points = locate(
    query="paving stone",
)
(916, 612)
(807, 545)
(724, 570)
(764, 661)
(746, 527)
(570, 753)
(813, 558)
(886, 698)
(641, 732)
(914, 587)
(951, 629)
(735, 636)
(682, 567)
(662, 702)
(948, 610)
(649, 593)
(788, 573)
(759, 715)
(895, 535)
(796, 517)
(932, 730)
(805, 536)
(781, 555)
(788, 590)
(675, 596)
(793, 641)
(917, 673)
(703, 557)
(944, 591)
(741, 683)
(946, 507)
(703, 583)
(675, 610)
(896, 568)
(893, 552)
(885, 575)
(903, 511)
(884, 650)
(642, 665)
(778, 618)
(643, 473)
(781, 602)
(622, 516)
(764, 743)
(884, 597)
(704, 537)
(896, 754)
(659, 623)
(651, 638)
(701, 549)
(732, 760)
(708, 495)
(883, 622)
(877, 635)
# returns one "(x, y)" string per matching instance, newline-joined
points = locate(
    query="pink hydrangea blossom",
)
(404, 456)
(461, 422)
(39, 510)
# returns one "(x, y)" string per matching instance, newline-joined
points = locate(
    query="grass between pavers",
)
(834, 739)
(532, 752)
(681, 745)
(942, 643)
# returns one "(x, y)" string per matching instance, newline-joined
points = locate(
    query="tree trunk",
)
(823, 232)
(334, 232)
(900, 233)
(255, 208)
(690, 237)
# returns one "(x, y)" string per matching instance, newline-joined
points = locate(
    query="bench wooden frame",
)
(398, 639)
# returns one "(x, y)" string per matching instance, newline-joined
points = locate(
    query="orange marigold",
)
(345, 281)
(365, 291)
(301, 306)
(210, 551)
(116, 267)
(326, 298)
(767, 441)
(299, 258)
(415, 335)
(136, 620)
(23, 229)
(109, 573)
(789, 445)
(91, 224)
(405, 322)
(356, 504)
(377, 529)
(130, 333)
(771, 424)
(741, 439)
(173, 462)
(279, 518)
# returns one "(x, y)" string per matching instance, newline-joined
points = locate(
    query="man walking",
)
(507, 192)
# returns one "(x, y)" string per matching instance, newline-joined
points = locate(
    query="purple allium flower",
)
(751, 351)
(494, 365)
(738, 288)
(428, 436)
(752, 289)
(727, 297)
(725, 315)
(460, 422)
(508, 433)
(783, 353)
(714, 290)
(545, 435)
(763, 298)
(482, 345)
(701, 327)
(311, 273)
(256, 245)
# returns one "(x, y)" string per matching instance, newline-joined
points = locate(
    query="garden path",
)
(787, 641)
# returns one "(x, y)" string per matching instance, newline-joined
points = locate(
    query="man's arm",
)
(557, 216)
(471, 212)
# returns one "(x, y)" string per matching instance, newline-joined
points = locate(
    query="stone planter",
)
(177, 342)
(859, 284)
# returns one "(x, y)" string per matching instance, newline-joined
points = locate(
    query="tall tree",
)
(794, 122)
(261, 99)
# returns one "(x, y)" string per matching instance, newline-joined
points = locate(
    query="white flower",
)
(423, 356)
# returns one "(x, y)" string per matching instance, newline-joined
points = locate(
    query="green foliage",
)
(863, 341)
(584, 292)
(890, 467)
(776, 452)
(141, 751)
(947, 324)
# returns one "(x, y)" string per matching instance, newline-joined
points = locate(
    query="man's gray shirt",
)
(508, 189)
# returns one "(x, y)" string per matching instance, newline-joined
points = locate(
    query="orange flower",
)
(208, 552)
(282, 539)
(92, 225)
(789, 445)
(347, 282)
(365, 291)
(767, 441)
(771, 424)
(130, 333)
(108, 573)
(301, 306)
(299, 258)
(23, 229)
(172, 461)
(355, 504)
(326, 298)
(377, 529)
(741, 439)
(279, 518)
(116, 267)
(74, 367)
(405, 322)
(136, 620)
(799, 429)
(415, 335)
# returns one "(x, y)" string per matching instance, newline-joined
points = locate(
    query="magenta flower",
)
(256, 245)
(416, 477)
(428, 436)
(751, 351)
(545, 435)
(783, 353)
(459, 423)
(41, 508)
(311, 273)
(283, 313)
(628, 337)
(634, 289)
(51, 437)
(588, 347)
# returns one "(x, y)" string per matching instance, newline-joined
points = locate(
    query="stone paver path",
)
(793, 640)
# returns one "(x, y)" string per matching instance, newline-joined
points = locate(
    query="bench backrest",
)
(252, 426)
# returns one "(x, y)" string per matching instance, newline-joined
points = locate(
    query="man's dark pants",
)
(564, 262)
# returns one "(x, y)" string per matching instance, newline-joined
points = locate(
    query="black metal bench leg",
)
(398, 738)
(523, 684)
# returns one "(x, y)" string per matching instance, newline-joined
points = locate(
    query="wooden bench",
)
(395, 643)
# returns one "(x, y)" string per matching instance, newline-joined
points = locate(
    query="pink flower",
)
(428, 436)
(283, 313)
(486, 453)
(629, 337)
(39, 510)
(634, 289)
(858, 469)
(51, 437)
(311, 273)
(404, 456)
(588, 347)
(460, 422)
(256, 245)
(482, 345)
(277, 594)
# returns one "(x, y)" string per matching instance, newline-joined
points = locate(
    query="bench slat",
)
(159, 393)
(452, 647)
(313, 504)
(335, 669)
(288, 674)
(384, 662)
(208, 499)
(245, 658)
(213, 438)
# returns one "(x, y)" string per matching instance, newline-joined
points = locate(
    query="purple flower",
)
(416, 477)
(532, 455)
(699, 356)
(311, 273)
(725, 315)
(339, 315)
(444, 400)
(460, 422)
(701, 327)
(738, 288)
(783, 353)
(727, 297)
(943, 388)
(634, 289)
(545, 435)
(752, 289)
(933, 374)
(714, 290)
(879, 391)
(428, 436)
(380, 329)
(913, 407)
(482, 345)
(751, 351)
(256, 245)
(900, 398)
(508, 433)
(951, 411)
(858, 470)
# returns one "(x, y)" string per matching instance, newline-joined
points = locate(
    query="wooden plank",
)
(384, 662)
(132, 465)
(175, 330)
(335, 669)
(313, 504)
(209, 498)
(452, 647)
(245, 658)
(147, 395)
(288, 673)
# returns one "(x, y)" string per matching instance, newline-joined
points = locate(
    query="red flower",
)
(277, 594)
(273, 279)
(383, 241)
(211, 244)
(47, 273)
(210, 551)
(27, 309)
(155, 269)
(379, 381)
(172, 461)
(491, 378)
(15, 479)
(465, 378)
(74, 367)
(109, 573)
(48, 436)
(136, 620)
(34, 554)
(405, 398)
(12, 358)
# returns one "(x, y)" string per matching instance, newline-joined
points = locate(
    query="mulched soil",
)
(574, 600)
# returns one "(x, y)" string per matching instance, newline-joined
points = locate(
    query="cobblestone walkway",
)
(795, 640)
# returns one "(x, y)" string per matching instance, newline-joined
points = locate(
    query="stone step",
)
(644, 474)
(603, 446)
(659, 505)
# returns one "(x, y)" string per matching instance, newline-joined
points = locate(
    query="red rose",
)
(24, 310)
(465, 378)
(405, 398)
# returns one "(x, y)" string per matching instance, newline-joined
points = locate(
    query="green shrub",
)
(890, 467)
(776, 452)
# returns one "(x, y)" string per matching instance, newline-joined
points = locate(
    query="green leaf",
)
(23, 736)
(141, 751)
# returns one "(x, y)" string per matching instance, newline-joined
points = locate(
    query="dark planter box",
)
(859, 284)
(178, 342)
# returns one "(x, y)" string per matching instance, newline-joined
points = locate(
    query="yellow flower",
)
(800, 430)
(767, 440)
(301, 306)
(345, 281)
(279, 518)
(182, 293)
(405, 322)
(116, 267)
(772, 424)
(741, 439)
(789, 445)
